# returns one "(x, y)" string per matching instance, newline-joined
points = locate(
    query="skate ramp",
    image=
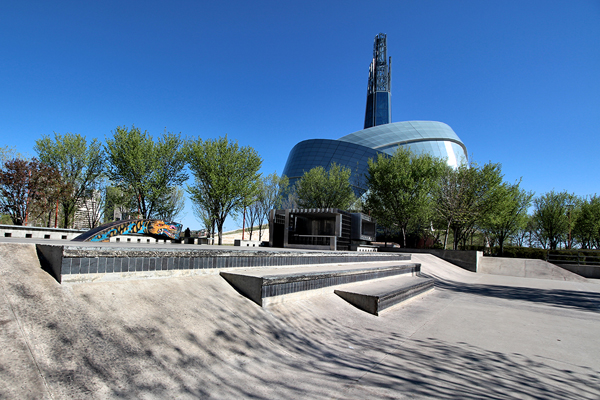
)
(526, 268)
(196, 337)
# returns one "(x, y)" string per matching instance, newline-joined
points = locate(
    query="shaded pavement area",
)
(473, 337)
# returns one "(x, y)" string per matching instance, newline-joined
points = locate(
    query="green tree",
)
(586, 229)
(509, 213)
(273, 190)
(523, 235)
(171, 208)
(550, 218)
(319, 188)
(148, 169)
(400, 189)
(118, 202)
(80, 164)
(225, 177)
(206, 218)
(464, 197)
(251, 215)
(8, 154)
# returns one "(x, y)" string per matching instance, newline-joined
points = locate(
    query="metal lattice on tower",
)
(378, 111)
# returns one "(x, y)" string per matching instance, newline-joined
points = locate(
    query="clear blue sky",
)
(518, 81)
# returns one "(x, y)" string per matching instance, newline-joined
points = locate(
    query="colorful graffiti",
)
(161, 228)
(148, 227)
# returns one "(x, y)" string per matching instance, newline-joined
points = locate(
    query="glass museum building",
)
(379, 136)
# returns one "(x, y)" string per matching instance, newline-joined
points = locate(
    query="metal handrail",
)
(582, 257)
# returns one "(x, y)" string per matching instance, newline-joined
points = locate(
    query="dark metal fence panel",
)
(574, 257)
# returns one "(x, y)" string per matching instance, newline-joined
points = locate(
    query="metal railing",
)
(574, 257)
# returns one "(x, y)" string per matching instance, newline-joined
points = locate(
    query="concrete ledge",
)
(364, 248)
(266, 288)
(138, 239)
(466, 259)
(587, 271)
(35, 232)
(525, 268)
(247, 243)
(77, 263)
(377, 296)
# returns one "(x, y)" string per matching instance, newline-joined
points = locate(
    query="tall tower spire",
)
(379, 95)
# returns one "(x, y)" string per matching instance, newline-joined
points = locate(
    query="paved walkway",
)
(473, 337)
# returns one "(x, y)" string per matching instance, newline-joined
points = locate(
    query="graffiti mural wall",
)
(148, 227)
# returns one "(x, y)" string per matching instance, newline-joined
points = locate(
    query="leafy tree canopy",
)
(319, 188)
(551, 217)
(587, 224)
(80, 164)
(508, 214)
(226, 178)
(400, 189)
(273, 190)
(147, 168)
(464, 196)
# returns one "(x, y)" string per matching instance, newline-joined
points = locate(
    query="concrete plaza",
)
(476, 336)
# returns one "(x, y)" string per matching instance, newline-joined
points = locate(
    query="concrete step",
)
(268, 286)
(374, 297)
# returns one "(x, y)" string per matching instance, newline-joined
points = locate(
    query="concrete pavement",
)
(473, 337)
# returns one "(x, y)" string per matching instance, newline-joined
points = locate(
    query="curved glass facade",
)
(323, 152)
(354, 150)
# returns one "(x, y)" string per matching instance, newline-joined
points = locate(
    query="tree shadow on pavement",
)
(571, 299)
(196, 337)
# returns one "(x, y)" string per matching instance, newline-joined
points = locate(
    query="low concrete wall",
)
(89, 262)
(248, 243)
(138, 239)
(526, 268)
(464, 259)
(35, 232)
(588, 271)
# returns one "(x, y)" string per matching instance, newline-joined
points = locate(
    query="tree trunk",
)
(66, 216)
(403, 237)
(456, 239)
(385, 232)
(220, 223)
(446, 235)
(212, 231)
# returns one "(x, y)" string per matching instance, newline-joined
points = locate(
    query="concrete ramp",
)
(194, 337)
(437, 268)
(525, 268)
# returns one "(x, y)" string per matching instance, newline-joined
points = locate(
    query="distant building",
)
(379, 135)
(88, 212)
(321, 229)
